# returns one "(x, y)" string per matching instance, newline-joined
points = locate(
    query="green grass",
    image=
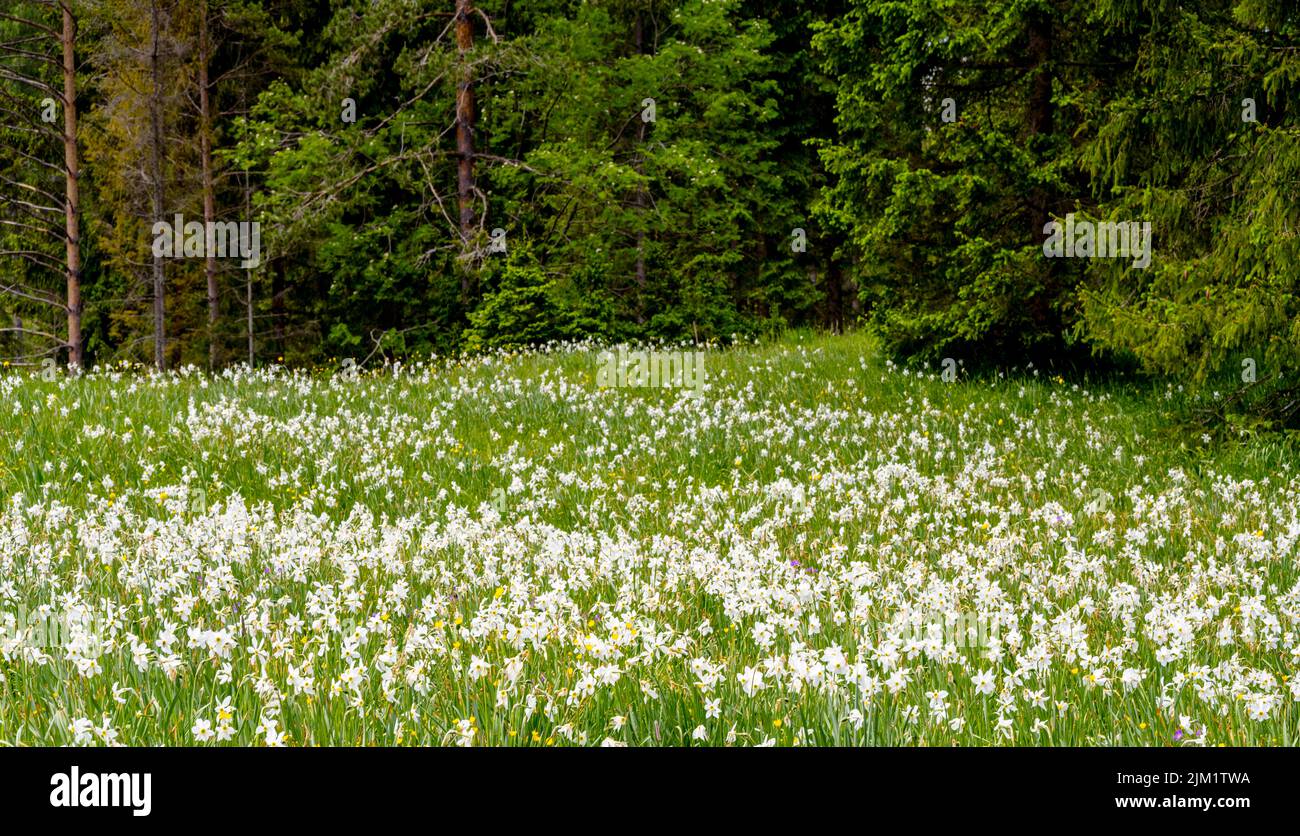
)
(333, 555)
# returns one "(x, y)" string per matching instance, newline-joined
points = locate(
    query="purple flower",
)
(1178, 735)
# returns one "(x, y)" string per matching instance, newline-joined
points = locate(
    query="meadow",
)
(496, 550)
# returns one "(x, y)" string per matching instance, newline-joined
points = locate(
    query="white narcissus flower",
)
(294, 547)
(202, 730)
(751, 681)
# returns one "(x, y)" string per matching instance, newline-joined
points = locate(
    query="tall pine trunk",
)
(72, 205)
(156, 174)
(1041, 123)
(465, 134)
(640, 199)
(1041, 113)
(209, 189)
(248, 288)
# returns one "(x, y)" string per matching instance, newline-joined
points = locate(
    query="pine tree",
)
(38, 59)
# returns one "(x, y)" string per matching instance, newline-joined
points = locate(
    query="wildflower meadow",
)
(803, 544)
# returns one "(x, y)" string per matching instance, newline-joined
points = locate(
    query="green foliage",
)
(1222, 193)
(654, 161)
(667, 226)
(1139, 117)
(527, 306)
(948, 162)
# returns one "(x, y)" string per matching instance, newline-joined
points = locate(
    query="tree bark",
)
(640, 199)
(1041, 113)
(72, 204)
(155, 114)
(209, 189)
(279, 288)
(1041, 123)
(465, 133)
(835, 296)
(248, 296)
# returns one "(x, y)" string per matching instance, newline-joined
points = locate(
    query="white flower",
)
(751, 681)
(202, 730)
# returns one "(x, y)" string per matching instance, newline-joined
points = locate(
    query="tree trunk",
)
(155, 113)
(835, 296)
(248, 303)
(248, 296)
(1041, 113)
(1041, 122)
(72, 205)
(465, 133)
(640, 199)
(209, 189)
(279, 287)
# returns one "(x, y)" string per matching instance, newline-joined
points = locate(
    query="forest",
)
(567, 373)
(443, 176)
